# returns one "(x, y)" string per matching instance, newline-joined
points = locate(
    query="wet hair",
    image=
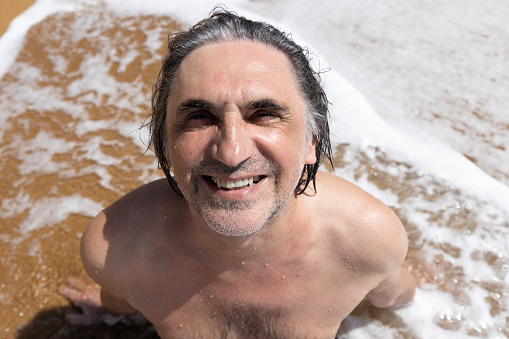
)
(224, 26)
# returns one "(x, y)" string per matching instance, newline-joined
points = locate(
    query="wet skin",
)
(298, 264)
(229, 117)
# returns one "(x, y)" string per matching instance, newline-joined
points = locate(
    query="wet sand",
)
(38, 255)
(66, 140)
(10, 9)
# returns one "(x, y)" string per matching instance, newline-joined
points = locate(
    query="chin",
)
(233, 223)
(236, 219)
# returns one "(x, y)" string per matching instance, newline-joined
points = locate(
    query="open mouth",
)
(235, 184)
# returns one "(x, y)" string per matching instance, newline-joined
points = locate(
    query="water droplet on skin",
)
(243, 262)
(180, 326)
(266, 265)
(283, 277)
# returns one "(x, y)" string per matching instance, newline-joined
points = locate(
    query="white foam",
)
(12, 39)
(353, 118)
(53, 210)
(353, 121)
(185, 12)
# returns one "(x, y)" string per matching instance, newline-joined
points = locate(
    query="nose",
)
(233, 144)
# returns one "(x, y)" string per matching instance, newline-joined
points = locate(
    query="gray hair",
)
(223, 26)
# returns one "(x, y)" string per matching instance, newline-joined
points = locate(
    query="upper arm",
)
(94, 248)
(376, 239)
(395, 286)
(94, 252)
(103, 251)
(373, 230)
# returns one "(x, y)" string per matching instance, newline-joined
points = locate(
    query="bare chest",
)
(276, 302)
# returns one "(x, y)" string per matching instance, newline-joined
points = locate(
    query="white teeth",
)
(235, 184)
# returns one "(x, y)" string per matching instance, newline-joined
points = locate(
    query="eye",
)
(265, 117)
(199, 119)
(200, 115)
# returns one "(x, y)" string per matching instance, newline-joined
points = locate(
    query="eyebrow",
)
(266, 103)
(195, 104)
(192, 104)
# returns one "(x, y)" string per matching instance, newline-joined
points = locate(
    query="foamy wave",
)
(80, 89)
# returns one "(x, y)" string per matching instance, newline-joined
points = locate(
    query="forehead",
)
(233, 70)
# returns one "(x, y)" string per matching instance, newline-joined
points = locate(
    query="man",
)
(252, 241)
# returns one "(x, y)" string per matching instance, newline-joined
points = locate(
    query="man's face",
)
(237, 134)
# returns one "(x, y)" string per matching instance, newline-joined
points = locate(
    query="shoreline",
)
(39, 248)
(10, 10)
(67, 133)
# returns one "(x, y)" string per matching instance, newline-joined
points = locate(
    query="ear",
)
(311, 152)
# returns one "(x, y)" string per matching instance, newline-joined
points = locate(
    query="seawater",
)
(419, 119)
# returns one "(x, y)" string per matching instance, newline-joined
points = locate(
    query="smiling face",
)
(237, 134)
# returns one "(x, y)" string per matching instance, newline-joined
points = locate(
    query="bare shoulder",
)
(361, 223)
(116, 237)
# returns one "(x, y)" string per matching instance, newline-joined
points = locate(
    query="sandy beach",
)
(10, 10)
(34, 264)
(73, 102)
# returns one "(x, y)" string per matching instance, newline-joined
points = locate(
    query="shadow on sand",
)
(51, 324)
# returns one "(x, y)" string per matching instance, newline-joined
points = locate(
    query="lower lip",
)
(234, 194)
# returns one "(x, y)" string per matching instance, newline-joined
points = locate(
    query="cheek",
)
(187, 150)
(287, 148)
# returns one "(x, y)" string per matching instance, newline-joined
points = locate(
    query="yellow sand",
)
(33, 264)
(9, 9)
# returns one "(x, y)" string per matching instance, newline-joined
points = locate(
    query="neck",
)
(275, 239)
